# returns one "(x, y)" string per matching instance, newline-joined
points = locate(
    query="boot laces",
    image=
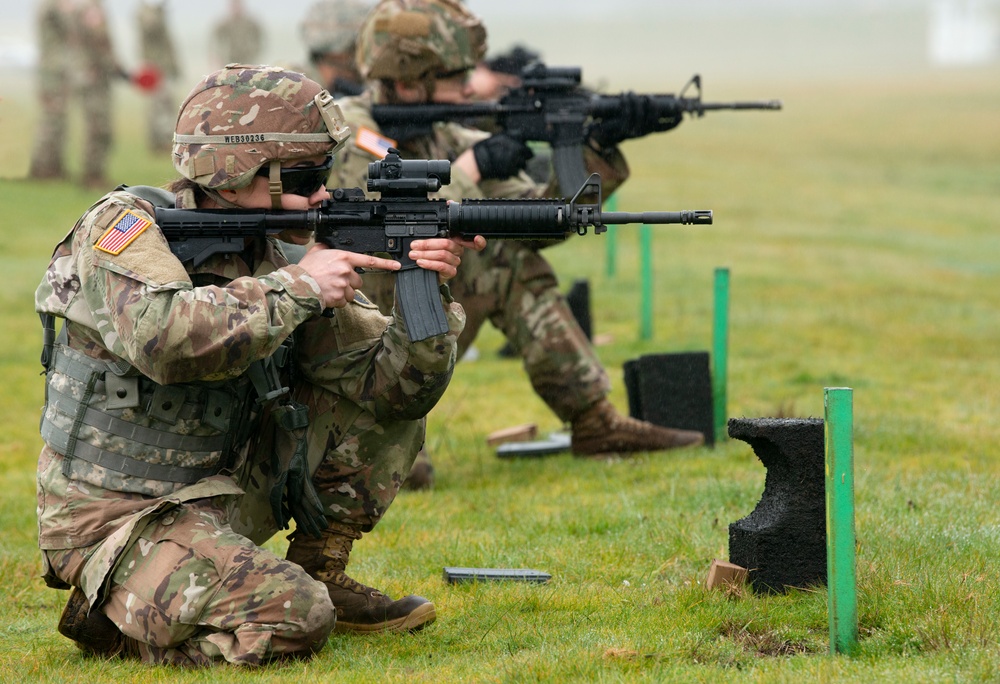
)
(347, 582)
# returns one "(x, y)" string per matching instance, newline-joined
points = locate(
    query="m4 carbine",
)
(404, 213)
(551, 106)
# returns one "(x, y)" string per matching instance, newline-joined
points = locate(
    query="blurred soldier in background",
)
(329, 30)
(420, 51)
(159, 60)
(491, 80)
(237, 38)
(77, 57)
(55, 54)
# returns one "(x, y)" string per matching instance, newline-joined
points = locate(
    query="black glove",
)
(501, 156)
(292, 494)
(638, 116)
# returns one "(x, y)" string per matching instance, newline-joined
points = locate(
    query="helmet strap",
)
(430, 85)
(274, 183)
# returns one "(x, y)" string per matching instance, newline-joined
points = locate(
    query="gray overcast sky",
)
(627, 41)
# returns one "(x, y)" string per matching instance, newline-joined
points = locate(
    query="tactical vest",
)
(121, 431)
(124, 432)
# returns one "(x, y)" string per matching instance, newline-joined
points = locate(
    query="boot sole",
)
(418, 618)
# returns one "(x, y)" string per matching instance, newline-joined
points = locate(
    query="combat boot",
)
(93, 632)
(602, 430)
(359, 608)
(421, 472)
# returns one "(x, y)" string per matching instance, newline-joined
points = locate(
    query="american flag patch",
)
(373, 143)
(122, 233)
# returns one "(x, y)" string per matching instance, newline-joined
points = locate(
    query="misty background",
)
(627, 43)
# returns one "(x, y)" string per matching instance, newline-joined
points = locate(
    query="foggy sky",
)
(737, 39)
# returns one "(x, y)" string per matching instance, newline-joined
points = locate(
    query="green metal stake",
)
(611, 255)
(720, 352)
(646, 297)
(842, 590)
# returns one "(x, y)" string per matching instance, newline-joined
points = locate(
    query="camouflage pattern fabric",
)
(97, 68)
(180, 571)
(510, 283)
(192, 592)
(412, 40)
(157, 50)
(241, 117)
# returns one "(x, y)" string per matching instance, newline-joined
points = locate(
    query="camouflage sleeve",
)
(147, 310)
(351, 167)
(368, 358)
(611, 164)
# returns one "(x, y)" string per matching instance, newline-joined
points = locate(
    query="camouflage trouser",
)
(190, 591)
(195, 588)
(97, 116)
(162, 117)
(48, 153)
(514, 287)
(358, 465)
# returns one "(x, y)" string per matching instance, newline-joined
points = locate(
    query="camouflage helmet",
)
(241, 117)
(333, 25)
(411, 40)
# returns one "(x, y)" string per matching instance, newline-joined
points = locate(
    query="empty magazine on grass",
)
(555, 443)
(454, 575)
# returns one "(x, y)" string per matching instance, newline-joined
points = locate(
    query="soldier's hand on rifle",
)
(638, 116)
(334, 270)
(500, 156)
(443, 254)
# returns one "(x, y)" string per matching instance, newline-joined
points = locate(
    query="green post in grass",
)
(842, 592)
(646, 296)
(720, 352)
(611, 255)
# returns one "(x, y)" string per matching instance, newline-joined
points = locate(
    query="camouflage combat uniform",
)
(157, 50)
(510, 283)
(329, 30)
(97, 68)
(56, 39)
(158, 475)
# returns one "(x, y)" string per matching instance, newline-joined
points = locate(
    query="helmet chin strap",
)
(430, 85)
(274, 183)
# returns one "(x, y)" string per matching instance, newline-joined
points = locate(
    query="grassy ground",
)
(860, 228)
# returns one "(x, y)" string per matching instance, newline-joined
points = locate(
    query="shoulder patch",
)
(124, 221)
(122, 233)
(372, 142)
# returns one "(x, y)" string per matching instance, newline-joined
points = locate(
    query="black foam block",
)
(672, 390)
(783, 541)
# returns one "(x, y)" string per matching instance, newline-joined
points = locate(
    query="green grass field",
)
(860, 226)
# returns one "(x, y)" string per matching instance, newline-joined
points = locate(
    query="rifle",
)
(349, 221)
(550, 106)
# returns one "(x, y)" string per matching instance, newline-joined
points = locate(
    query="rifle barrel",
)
(759, 104)
(701, 217)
